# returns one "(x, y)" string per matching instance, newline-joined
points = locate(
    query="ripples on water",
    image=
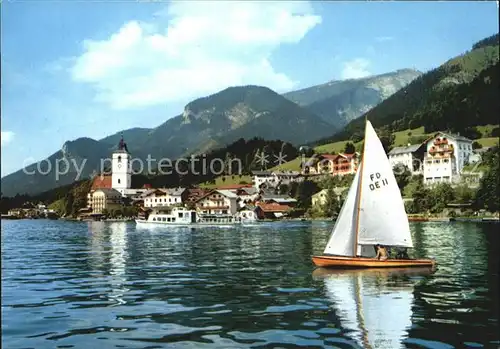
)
(110, 285)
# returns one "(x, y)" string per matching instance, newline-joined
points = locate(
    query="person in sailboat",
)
(381, 252)
(402, 253)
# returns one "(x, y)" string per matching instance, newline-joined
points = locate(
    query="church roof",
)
(110, 191)
(102, 181)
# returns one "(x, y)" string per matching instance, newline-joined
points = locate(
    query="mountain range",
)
(212, 122)
(339, 102)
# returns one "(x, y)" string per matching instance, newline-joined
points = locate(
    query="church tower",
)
(121, 170)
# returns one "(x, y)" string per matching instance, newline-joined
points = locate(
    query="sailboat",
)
(374, 306)
(373, 213)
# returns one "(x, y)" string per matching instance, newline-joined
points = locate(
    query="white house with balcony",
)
(164, 197)
(246, 195)
(411, 156)
(445, 157)
(261, 177)
(218, 202)
(274, 178)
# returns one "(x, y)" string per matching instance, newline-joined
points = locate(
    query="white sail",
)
(364, 303)
(382, 216)
(341, 242)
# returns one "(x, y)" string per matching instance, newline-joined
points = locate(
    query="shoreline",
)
(411, 218)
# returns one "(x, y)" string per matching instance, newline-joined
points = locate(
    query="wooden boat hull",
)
(321, 273)
(341, 262)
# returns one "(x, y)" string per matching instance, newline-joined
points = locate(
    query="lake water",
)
(110, 285)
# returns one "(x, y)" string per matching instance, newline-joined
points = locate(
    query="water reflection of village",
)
(109, 255)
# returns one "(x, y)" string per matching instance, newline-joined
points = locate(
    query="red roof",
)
(273, 207)
(344, 156)
(195, 193)
(102, 182)
(348, 156)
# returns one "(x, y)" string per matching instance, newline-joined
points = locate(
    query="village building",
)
(272, 210)
(261, 177)
(345, 164)
(273, 179)
(218, 202)
(336, 165)
(249, 213)
(446, 157)
(278, 199)
(104, 199)
(477, 155)
(318, 164)
(23, 212)
(411, 156)
(287, 177)
(246, 193)
(246, 196)
(17, 212)
(165, 197)
(194, 194)
(319, 199)
(138, 200)
(325, 164)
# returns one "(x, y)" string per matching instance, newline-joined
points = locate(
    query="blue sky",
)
(74, 69)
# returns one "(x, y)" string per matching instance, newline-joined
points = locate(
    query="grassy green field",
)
(228, 180)
(330, 147)
(488, 141)
(486, 130)
(401, 138)
(293, 165)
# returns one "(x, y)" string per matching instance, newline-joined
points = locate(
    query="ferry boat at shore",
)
(183, 217)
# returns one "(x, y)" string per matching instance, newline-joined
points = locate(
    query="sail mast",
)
(358, 207)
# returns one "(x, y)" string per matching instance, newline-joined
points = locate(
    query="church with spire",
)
(109, 190)
(121, 169)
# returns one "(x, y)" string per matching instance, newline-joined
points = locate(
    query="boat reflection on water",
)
(374, 305)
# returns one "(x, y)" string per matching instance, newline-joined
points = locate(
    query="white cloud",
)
(193, 49)
(7, 137)
(355, 69)
(384, 38)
